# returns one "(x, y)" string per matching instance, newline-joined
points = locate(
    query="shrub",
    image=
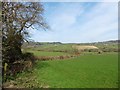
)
(26, 62)
(29, 57)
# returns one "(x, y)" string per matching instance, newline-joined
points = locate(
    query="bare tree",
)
(17, 18)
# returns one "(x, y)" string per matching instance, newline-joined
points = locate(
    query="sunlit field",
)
(86, 71)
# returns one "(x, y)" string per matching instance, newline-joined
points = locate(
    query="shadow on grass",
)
(41, 64)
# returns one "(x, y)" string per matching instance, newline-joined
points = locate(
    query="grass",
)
(45, 53)
(59, 47)
(86, 71)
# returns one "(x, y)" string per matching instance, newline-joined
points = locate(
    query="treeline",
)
(92, 43)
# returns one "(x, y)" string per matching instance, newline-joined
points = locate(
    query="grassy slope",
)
(45, 53)
(53, 47)
(86, 71)
(50, 47)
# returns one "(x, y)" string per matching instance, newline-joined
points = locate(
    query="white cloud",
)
(65, 15)
(79, 0)
(98, 23)
(101, 22)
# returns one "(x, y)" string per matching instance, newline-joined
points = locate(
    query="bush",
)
(29, 57)
(25, 64)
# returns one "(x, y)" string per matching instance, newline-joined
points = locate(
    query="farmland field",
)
(87, 66)
(86, 71)
(59, 45)
(45, 53)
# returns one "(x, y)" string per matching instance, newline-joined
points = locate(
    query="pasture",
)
(86, 71)
(45, 53)
(85, 68)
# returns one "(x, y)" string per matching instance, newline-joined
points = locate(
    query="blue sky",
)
(78, 22)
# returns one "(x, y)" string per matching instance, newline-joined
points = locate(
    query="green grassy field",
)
(49, 47)
(45, 53)
(86, 71)
(89, 69)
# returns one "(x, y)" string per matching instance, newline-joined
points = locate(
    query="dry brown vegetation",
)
(80, 47)
(44, 58)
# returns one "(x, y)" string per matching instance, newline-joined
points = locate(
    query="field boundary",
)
(46, 58)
